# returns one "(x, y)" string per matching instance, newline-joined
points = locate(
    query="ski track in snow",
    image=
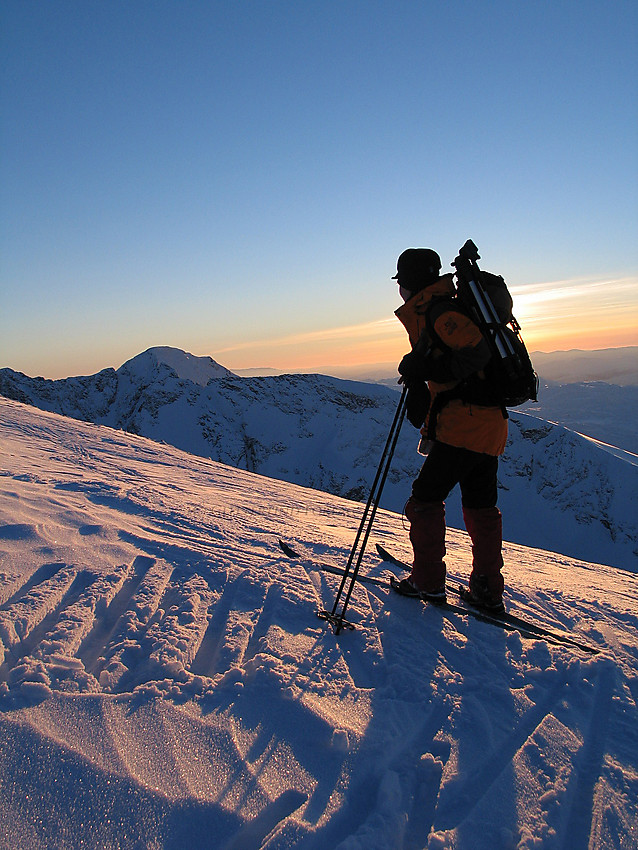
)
(165, 682)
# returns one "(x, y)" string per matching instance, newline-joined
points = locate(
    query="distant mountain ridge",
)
(559, 491)
(612, 365)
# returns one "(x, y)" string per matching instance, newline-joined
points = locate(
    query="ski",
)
(508, 622)
(447, 607)
(328, 568)
(379, 582)
(505, 620)
(476, 614)
(338, 622)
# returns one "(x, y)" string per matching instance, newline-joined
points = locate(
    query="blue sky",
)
(237, 178)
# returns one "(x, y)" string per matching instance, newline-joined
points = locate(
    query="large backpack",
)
(508, 379)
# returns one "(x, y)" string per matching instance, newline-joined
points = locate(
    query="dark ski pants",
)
(446, 466)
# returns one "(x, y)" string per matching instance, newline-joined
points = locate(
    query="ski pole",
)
(367, 520)
(375, 490)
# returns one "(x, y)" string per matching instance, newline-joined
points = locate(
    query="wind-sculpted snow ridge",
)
(561, 491)
(165, 681)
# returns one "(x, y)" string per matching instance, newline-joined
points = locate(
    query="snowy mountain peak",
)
(187, 367)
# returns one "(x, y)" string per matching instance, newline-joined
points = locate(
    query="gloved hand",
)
(412, 368)
(417, 403)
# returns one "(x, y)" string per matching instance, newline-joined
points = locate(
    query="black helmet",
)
(417, 268)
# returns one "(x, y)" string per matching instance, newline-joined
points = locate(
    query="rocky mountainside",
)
(559, 490)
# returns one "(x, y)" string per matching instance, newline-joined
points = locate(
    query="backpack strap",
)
(473, 389)
(440, 400)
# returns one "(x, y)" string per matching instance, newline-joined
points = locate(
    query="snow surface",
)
(166, 682)
(605, 412)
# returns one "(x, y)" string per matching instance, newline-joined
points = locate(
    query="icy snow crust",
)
(166, 682)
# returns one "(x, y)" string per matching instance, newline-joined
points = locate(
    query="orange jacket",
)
(464, 352)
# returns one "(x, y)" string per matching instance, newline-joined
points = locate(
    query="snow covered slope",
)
(166, 682)
(559, 491)
(600, 410)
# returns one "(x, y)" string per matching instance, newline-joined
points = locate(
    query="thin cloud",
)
(549, 311)
(364, 332)
(575, 288)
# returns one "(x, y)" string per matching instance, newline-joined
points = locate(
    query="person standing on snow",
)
(464, 438)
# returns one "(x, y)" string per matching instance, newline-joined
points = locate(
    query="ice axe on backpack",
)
(519, 382)
(469, 275)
